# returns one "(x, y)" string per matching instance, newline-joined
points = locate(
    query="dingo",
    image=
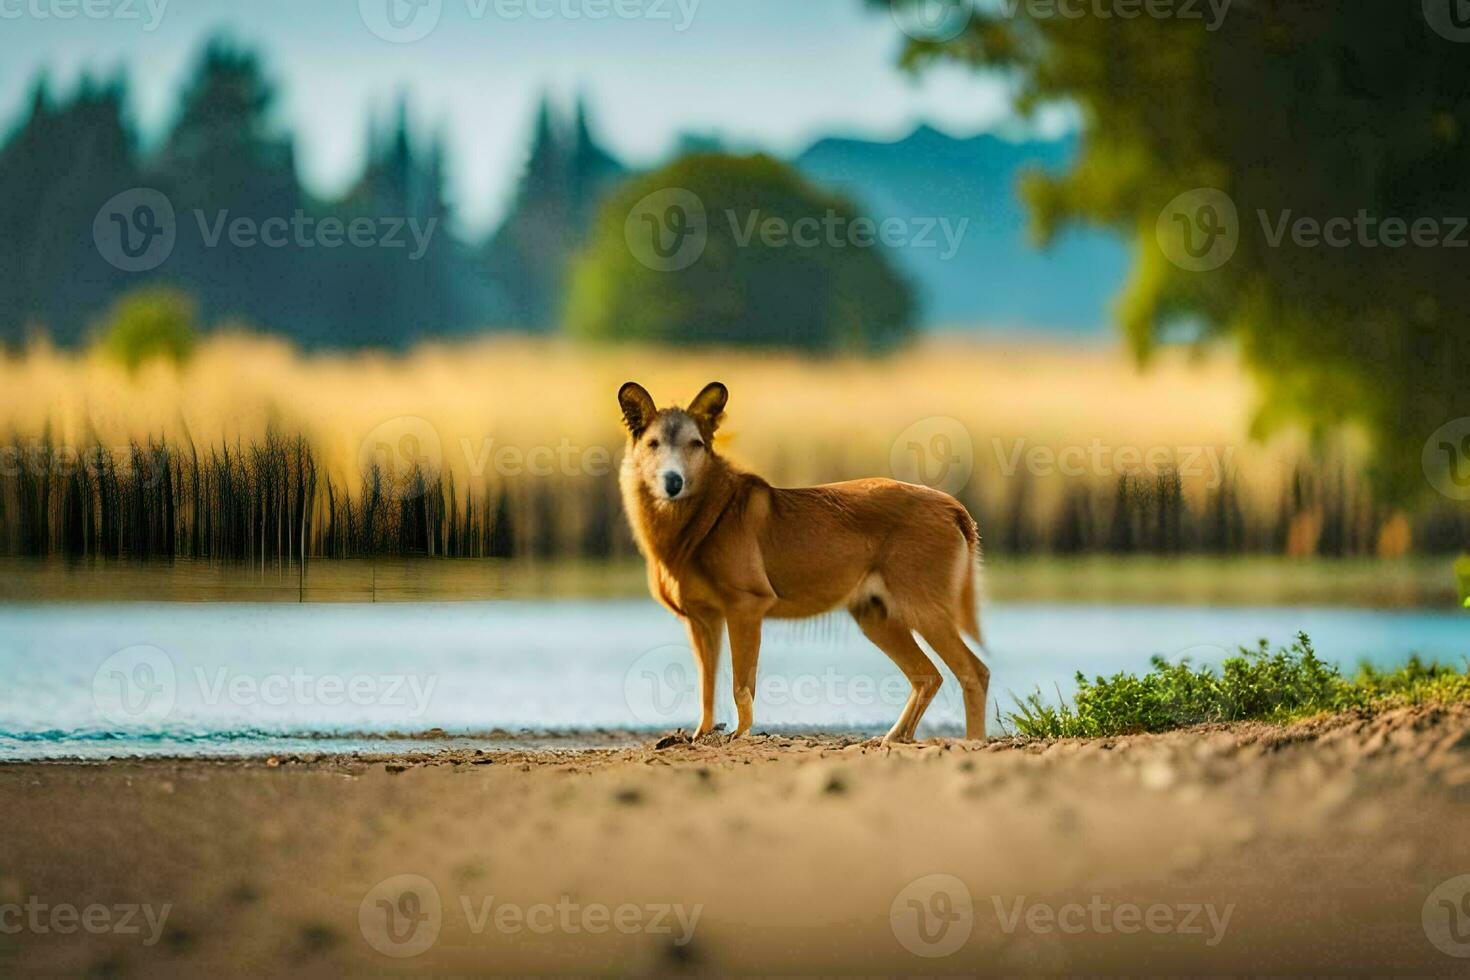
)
(725, 548)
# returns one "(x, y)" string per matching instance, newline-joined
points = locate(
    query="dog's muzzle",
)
(673, 484)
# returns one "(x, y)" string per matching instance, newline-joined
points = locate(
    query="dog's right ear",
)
(638, 408)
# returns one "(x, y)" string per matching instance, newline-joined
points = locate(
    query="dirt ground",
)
(1329, 846)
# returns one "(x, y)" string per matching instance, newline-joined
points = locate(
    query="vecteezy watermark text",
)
(1097, 458)
(404, 454)
(64, 919)
(407, 21)
(1101, 917)
(141, 685)
(933, 916)
(944, 20)
(137, 230)
(663, 686)
(402, 916)
(149, 12)
(836, 230)
(668, 230)
(41, 459)
(1201, 229)
(301, 230)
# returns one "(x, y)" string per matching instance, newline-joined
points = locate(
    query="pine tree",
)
(224, 159)
(57, 168)
(566, 177)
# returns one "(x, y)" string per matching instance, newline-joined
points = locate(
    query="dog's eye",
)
(653, 444)
(697, 444)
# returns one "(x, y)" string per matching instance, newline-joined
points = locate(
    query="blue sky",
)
(772, 74)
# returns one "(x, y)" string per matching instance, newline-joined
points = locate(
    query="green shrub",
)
(1255, 685)
(152, 322)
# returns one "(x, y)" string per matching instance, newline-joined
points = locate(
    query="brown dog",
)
(725, 547)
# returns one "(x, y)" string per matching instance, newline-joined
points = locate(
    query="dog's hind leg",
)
(969, 670)
(892, 636)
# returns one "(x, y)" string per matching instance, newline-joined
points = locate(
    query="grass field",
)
(509, 447)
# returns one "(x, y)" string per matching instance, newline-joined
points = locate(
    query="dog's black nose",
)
(673, 483)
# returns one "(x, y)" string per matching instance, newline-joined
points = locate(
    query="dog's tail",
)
(969, 611)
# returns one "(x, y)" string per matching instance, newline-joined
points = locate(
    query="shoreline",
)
(1409, 583)
(627, 745)
(1318, 846)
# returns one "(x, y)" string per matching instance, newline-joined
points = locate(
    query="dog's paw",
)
(714, 736)
(679, 737)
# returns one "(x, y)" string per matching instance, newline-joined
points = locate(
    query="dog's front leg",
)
(704, 636)
(745, 651)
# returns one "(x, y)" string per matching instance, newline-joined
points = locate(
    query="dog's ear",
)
(708, 407)
(638, 408)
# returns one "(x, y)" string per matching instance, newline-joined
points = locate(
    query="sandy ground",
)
(1330, 846)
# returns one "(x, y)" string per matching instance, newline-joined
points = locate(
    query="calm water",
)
(100, 680)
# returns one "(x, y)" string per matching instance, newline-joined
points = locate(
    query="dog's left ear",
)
(708, 407)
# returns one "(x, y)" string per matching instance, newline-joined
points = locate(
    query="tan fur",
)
(730, 551)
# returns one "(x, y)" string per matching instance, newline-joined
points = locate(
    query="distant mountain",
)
(994, 277)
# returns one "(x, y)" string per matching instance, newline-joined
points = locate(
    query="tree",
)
(719, 249)
(1293, 109)
(227, 159)
(393, 297)
(567, 176)
(64, 159)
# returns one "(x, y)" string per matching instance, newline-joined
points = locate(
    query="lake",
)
(97, 680)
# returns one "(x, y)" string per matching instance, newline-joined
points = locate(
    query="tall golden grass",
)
(786, 412)
(497, 406)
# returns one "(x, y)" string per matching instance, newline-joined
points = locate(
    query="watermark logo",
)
(44, 459)
(1446, 917)
(400, 21)
(1199, 230)
(936, 21)
(135, 686)
(667, 230)
(1446, 459)
(69, 10)
(410, 692)
(1104, 918)
(1120, 10)
(135, 231)
(565, 458)
(65, 918)
(662, 685)
(836, 230)
(302, 231)
(1449, 18)
(933, 916)
(1363, 230)
(401, 916)
(1212, 465)
(403, 454)
(934, 452)
(406, 21)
